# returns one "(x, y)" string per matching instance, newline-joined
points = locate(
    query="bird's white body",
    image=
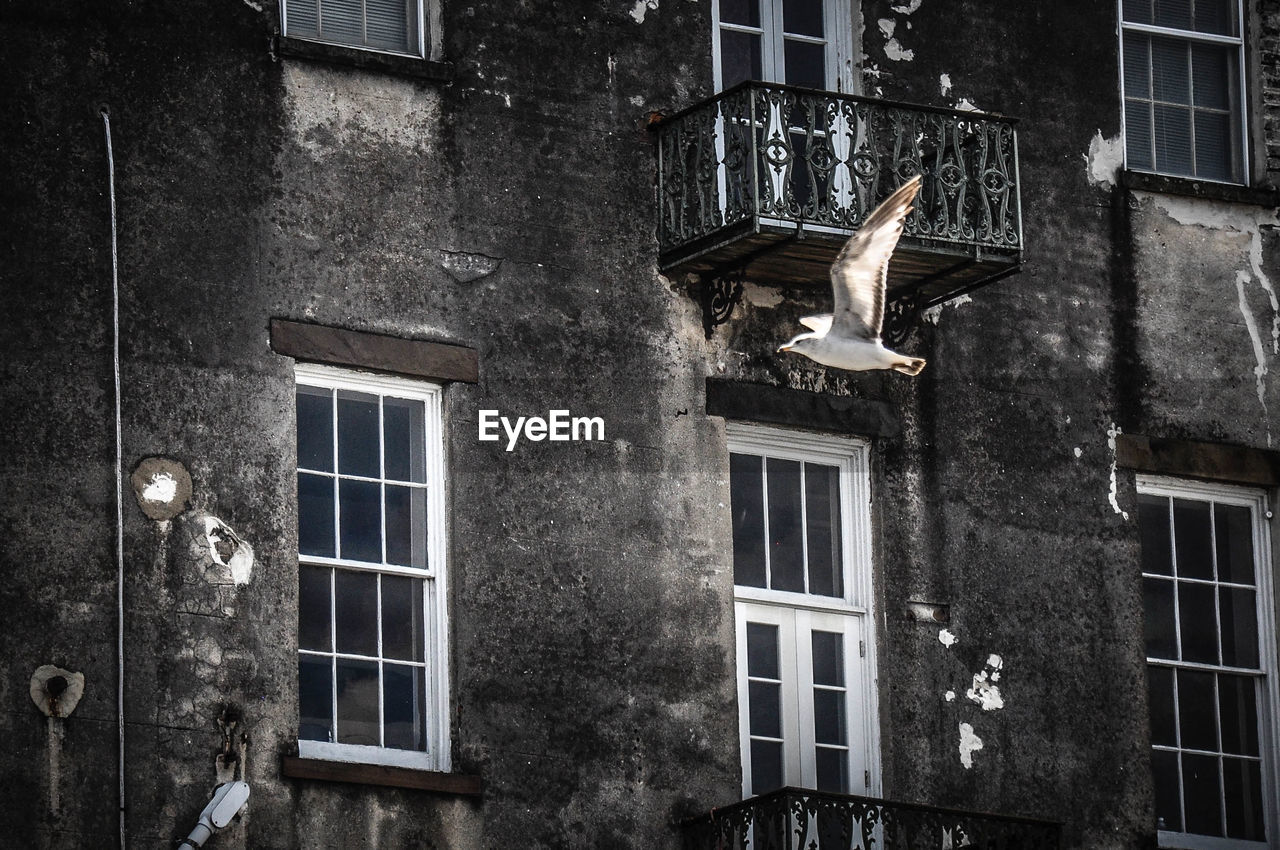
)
(849, 336)
(856, 355)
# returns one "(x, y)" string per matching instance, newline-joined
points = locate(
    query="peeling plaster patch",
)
(1259, 354)
(162, 488)
(944, 84)
(910, 8)
(1104, 159)
(896, 52)
(984, 691)
(969, 744)
(1077, 451)
(229, 550)
(636, 100)
(966, 105)
(642, 8)
(331, 109)
(934, 314)
(761, 296)
(467, 268)
(949, 696)
(947, 639)
(887, 26)
(252, 5)
(1112, 433)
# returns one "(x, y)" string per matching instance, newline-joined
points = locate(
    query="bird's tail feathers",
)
(911, 367)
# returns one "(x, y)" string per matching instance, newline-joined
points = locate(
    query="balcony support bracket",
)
(721, 290)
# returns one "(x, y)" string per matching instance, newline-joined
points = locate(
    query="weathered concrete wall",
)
(512, 210)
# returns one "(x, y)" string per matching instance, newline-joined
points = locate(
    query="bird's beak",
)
(783, 348)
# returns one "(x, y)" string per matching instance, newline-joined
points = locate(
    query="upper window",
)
(801, 563)
(393, 26)
(372, 677)
(1210, 644)
(1183, 97)
(798, 42)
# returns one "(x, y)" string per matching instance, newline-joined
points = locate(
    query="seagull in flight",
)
(849, 338)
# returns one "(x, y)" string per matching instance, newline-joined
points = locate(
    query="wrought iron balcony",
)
(769, 180)
(795, 819)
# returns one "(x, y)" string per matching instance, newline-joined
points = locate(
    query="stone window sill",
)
(371, 60)
(378, 774)
(1207, 189)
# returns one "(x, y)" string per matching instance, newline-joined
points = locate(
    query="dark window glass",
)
(1164, 729)
(766, 766)
(805, 64)
(1216, 16)
(402, 622)
(403, 698)
(1137, 11)
(1175, 14)
(360, 508)
(1211, 77)
(1172, 139)
(822, 516)
(1153, 525)
(802, 17)
(1202, 794)
(739, 57)
(406, 526)
(786, 543)
(315, 515)
(1239, 713)
(402, 430)
(1158, 620)
(1234, 528)
(313, 608)
(1239, 619)
(358, 443)
(1213, 145)
(1137, 134)
(356, 612)
(340, 21)
(1199, 623)
(386, 24)
(828, 659)
(1242, 784)
(1192, 536)
(1197, 706)
(765, 709)
(833, 773)
(358, 716)
(743, 12)
(1137, 79)
(828, 717)
(315, 429)
(1164, 770)
(762, 651)
(748, 519)
(315, 698)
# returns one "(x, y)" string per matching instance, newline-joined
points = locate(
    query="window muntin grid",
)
(1182, 88)
(389, 26)
(372, 681)
(783, 41)
(1205, 631)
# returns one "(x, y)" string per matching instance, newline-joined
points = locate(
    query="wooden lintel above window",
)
(436, 361)
(1193, 459)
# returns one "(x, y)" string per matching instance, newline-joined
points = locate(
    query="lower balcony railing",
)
(795, 819)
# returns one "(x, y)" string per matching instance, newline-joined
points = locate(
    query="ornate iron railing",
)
(795, 819)
(804, 157)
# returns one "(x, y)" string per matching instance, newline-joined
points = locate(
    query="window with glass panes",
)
(1183, 103)
(797, 42)
(371, 673)
(391, 26)
(1210, 645)
(801, 558)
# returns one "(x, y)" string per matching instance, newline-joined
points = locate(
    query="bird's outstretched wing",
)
(821, 323)
(859, 272)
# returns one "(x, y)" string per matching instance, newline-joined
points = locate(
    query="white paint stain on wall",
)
(966, 105)
(162, 487)
(1255, 337)
(642, 8)
(949, 696)
(910, 7)
(947, 639)
(761, 296)
(1112, 433)
(226, 548)
(1104, 159)
(934, 314)
(969, 744)
(984, 691)
(944, 84)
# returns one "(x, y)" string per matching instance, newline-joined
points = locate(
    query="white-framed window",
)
(805, 635)
(1211, 663)
(388, 26)
(804, 43)
(372, 631)
(1183, 88)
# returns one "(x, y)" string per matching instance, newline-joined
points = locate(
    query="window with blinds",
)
(392, 26)
(1183, 104)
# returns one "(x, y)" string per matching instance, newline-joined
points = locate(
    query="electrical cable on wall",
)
(115, 364)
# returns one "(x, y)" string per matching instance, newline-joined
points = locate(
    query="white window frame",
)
(423, 28)
(434, 575)
(837, 16)
(1268, 694)
(811, 612)
(1242, 111)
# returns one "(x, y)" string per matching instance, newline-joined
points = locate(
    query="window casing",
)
(805, 43)
(1183, 88)
(372, 630)
(388, 26)
(1211, 663)
(805, 639)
